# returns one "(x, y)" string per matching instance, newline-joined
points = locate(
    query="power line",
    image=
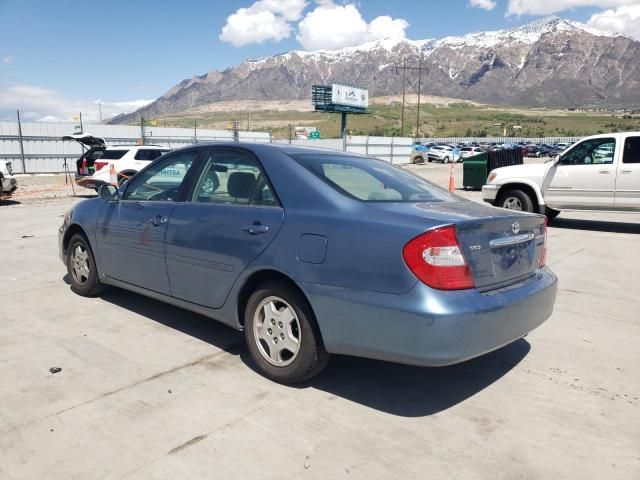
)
(414, 84)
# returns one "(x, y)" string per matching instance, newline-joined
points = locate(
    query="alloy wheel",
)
(276, 331)
(80, 264)
(512, 203)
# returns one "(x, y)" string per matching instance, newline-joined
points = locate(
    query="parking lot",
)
(147, 390)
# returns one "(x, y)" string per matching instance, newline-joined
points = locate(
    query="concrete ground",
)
(147, 390)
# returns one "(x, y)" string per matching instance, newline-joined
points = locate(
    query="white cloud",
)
(484, 4)
(624, 20)
(42, 104)
(331, 26)
(263, 20)
(546, 7)
(7, 59)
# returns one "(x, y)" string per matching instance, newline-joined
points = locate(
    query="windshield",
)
(372, 180)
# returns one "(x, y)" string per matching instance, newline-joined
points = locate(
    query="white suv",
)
(93, 168)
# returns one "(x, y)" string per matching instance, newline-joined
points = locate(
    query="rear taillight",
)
(543, 255)
(436, 259)
(99, 165)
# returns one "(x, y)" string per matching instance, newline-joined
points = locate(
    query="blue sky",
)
(121, 51)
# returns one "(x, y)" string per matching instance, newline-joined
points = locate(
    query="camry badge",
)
(515, 227)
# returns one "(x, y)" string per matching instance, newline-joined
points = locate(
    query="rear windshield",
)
(372, 180)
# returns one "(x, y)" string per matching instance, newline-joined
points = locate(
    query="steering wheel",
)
(168, 195)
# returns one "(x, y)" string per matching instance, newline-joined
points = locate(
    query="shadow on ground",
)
(595, 225)
(6, 202)
(395, 389)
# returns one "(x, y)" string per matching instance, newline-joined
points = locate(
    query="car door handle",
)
(255, 229)
(625, 171)
(157, 220)
(604, 171)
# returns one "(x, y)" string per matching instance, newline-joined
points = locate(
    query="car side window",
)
(596, 151)
(631, 150)
(233, 177)
(162, 181)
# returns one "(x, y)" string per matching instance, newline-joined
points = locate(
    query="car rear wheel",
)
(282, 335)
(81, 267)
(516, 200)
(446, 160)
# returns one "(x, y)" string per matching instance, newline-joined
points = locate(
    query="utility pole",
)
(415, 85)
(24, 168)
(195, 130)
(81, 129)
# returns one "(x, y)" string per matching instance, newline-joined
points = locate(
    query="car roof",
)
(132, 147)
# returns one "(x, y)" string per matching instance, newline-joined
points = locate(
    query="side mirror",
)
(108, 193)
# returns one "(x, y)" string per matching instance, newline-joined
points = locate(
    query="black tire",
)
(84, 285)
(311, 356)
(514, 196)
(551, 213)
(446, 160)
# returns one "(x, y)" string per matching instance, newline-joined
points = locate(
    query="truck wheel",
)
(516, 200)
(551, 213)
(81, 267)
(282, 335)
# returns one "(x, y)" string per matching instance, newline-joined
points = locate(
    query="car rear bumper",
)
(490, 192)
(428, 327)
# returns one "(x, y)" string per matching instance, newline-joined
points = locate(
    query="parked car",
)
(466, 152)
(93, 168)
(278, 250)
(442, 153)
(8, 183)
(601, 172)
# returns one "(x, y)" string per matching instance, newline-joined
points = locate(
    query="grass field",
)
(452, 120)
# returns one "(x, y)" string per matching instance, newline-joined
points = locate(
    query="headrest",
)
(240, 184)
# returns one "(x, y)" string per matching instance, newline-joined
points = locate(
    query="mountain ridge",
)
(547, 62)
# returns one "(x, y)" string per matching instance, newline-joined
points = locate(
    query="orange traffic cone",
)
(452, 186)
(113, 176)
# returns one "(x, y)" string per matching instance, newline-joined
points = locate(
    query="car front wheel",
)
(516, 200)
(81, 267)
(282, 335)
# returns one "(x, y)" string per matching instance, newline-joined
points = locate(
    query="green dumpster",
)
(475, 171)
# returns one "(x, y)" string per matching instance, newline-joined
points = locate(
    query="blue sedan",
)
(313, 252)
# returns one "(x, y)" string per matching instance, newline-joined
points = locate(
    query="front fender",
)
(524, 181)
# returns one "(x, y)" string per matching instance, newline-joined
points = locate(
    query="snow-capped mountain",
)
(551, 61)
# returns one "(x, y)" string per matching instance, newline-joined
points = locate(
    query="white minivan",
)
(601, 172)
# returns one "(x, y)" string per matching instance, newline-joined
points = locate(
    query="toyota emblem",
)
(515, 227)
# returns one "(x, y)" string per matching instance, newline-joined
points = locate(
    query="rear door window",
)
(631, 152)
(233, 177)
(113, 154)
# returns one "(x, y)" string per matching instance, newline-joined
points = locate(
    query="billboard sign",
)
(349, 96)
(304, 133)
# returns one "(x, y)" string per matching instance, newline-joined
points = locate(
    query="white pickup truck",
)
(601, 172)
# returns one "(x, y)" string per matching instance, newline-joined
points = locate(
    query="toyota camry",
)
(312, 253)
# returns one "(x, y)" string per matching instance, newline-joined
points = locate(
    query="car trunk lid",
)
(501, 247)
